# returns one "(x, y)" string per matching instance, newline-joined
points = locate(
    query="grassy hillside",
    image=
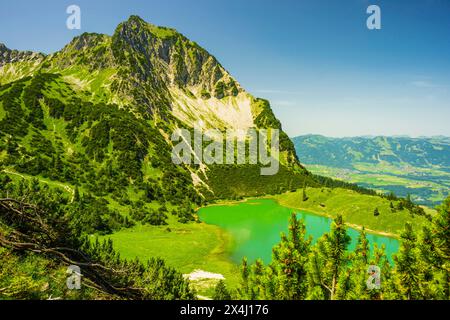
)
(186, 247)
(356, 209)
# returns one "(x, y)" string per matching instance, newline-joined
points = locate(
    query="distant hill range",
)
(419, 166)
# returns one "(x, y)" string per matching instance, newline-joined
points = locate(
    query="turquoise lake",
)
(255, 227)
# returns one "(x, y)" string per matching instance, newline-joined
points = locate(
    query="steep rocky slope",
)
(141, 84)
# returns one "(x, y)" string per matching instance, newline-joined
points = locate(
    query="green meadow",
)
(387, 178)
(187, 247)
(357, 209)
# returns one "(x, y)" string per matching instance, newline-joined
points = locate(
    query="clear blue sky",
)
(322, 69)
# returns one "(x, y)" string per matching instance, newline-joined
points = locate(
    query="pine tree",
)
(257, 284)
(221, 292)
(409, 202)
(441, 232)
(380, 259)
(435, 254)
(362, 250)
(76, 194)
(406, 266)
(289, 260)
(391, 196)
(328, 259)
(391, 205)
(345, 286)
(427, 263)
(352, 283)
(243, 292)
(376, 212)
(337, 242)
(304, 196)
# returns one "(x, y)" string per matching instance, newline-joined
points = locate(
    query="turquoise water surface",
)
(255, 227)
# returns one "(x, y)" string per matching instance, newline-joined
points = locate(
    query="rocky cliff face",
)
(15, 64)
(156, 69)
(167, 56)
(11, 56)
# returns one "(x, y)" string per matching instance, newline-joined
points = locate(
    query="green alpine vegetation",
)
(41, 234)
(87, 178)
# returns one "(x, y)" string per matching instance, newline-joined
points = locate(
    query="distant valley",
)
(418, 166)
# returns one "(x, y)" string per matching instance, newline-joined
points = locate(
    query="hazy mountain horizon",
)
(373, 136)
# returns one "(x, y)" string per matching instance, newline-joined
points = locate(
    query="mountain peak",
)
(164, 54)
(135, 25)
(87, 39)
(136, 20)
(8, 56)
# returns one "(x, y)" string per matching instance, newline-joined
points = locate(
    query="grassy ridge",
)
(357, 209)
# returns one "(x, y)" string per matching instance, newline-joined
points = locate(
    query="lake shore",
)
(256, 224)
(309, 210)
(352, 225)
